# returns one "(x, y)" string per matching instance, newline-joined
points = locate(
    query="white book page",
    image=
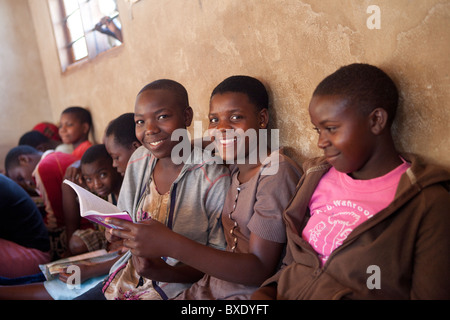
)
(90, 202)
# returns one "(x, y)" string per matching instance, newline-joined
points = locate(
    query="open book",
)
(53, 268)
(95, 208)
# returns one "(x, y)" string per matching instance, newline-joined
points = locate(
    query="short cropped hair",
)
(123, 130)
(94, 153)
(367, 88)
(33, 138)
(253, 88)
(12, 158)
(84, 115)
(170, 85)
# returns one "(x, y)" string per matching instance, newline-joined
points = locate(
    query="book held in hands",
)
(96, 209)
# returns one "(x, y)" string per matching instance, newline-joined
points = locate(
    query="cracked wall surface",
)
(288, 44)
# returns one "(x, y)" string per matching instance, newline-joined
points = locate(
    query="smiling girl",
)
(365, 222)
(187, 197)
(252, 213)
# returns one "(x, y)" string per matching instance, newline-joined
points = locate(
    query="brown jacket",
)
(408, 243)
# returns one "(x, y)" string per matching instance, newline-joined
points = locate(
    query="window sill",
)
(83, 63)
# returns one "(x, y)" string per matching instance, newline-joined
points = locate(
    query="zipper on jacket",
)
(140, 282)
(173, 194)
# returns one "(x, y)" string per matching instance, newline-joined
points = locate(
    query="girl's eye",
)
(87, 180)
(139, 122)
(103, 175)
(331, 129)
(163, 116)
(213, 120)
(66, 124)
(236, 117)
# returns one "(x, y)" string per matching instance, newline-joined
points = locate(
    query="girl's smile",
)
(157, 115)
(344, 134)
(233, 123)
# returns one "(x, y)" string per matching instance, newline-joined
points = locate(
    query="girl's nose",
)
(222, 126)
(323, 141)
(151, 128)
(97, 183)
(222, 132)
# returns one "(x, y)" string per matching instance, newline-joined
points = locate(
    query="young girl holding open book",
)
(252, 216)
(186, 197)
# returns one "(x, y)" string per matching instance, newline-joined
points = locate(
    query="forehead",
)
(231, 100)
(69, 116)
(110, 142)
(17, 171)
(152, 100)
(94, 167)
(328, 108)
(112, 146)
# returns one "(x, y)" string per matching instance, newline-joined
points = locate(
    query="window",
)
(84, 28)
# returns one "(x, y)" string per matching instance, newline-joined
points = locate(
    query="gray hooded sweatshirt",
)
(195, 208)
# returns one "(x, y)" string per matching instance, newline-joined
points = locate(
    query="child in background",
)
(51, 131)
(38, 141)
(24, 242)
(252, 213)
(188, 198)
(120, 141)
(365, 222)
(75, 127)
(43, 172)
(120, 138)
(102, 179)
(44, 136)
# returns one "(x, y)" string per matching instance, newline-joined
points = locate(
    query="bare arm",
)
(144, 240)
(159, 270)
(265, 293)
(71, 211)
(88, 271)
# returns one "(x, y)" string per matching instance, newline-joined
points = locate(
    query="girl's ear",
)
(188, 116)
(135, 145)
(378, 120)
(24, 159)
(263, 118)
(85, 127)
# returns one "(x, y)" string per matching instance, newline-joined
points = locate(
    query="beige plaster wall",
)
(24, 99)
(289, 44)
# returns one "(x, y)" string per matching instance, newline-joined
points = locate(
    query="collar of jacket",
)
(419, 176)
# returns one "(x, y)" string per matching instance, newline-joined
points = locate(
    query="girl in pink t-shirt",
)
(363, 223)
(340, 204)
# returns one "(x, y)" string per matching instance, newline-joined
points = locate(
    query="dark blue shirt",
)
(21, 220)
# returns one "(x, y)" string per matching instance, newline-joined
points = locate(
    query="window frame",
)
(95, 42)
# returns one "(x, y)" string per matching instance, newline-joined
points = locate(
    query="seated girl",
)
(252, 213)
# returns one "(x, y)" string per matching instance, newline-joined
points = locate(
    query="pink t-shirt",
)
(339, 204)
